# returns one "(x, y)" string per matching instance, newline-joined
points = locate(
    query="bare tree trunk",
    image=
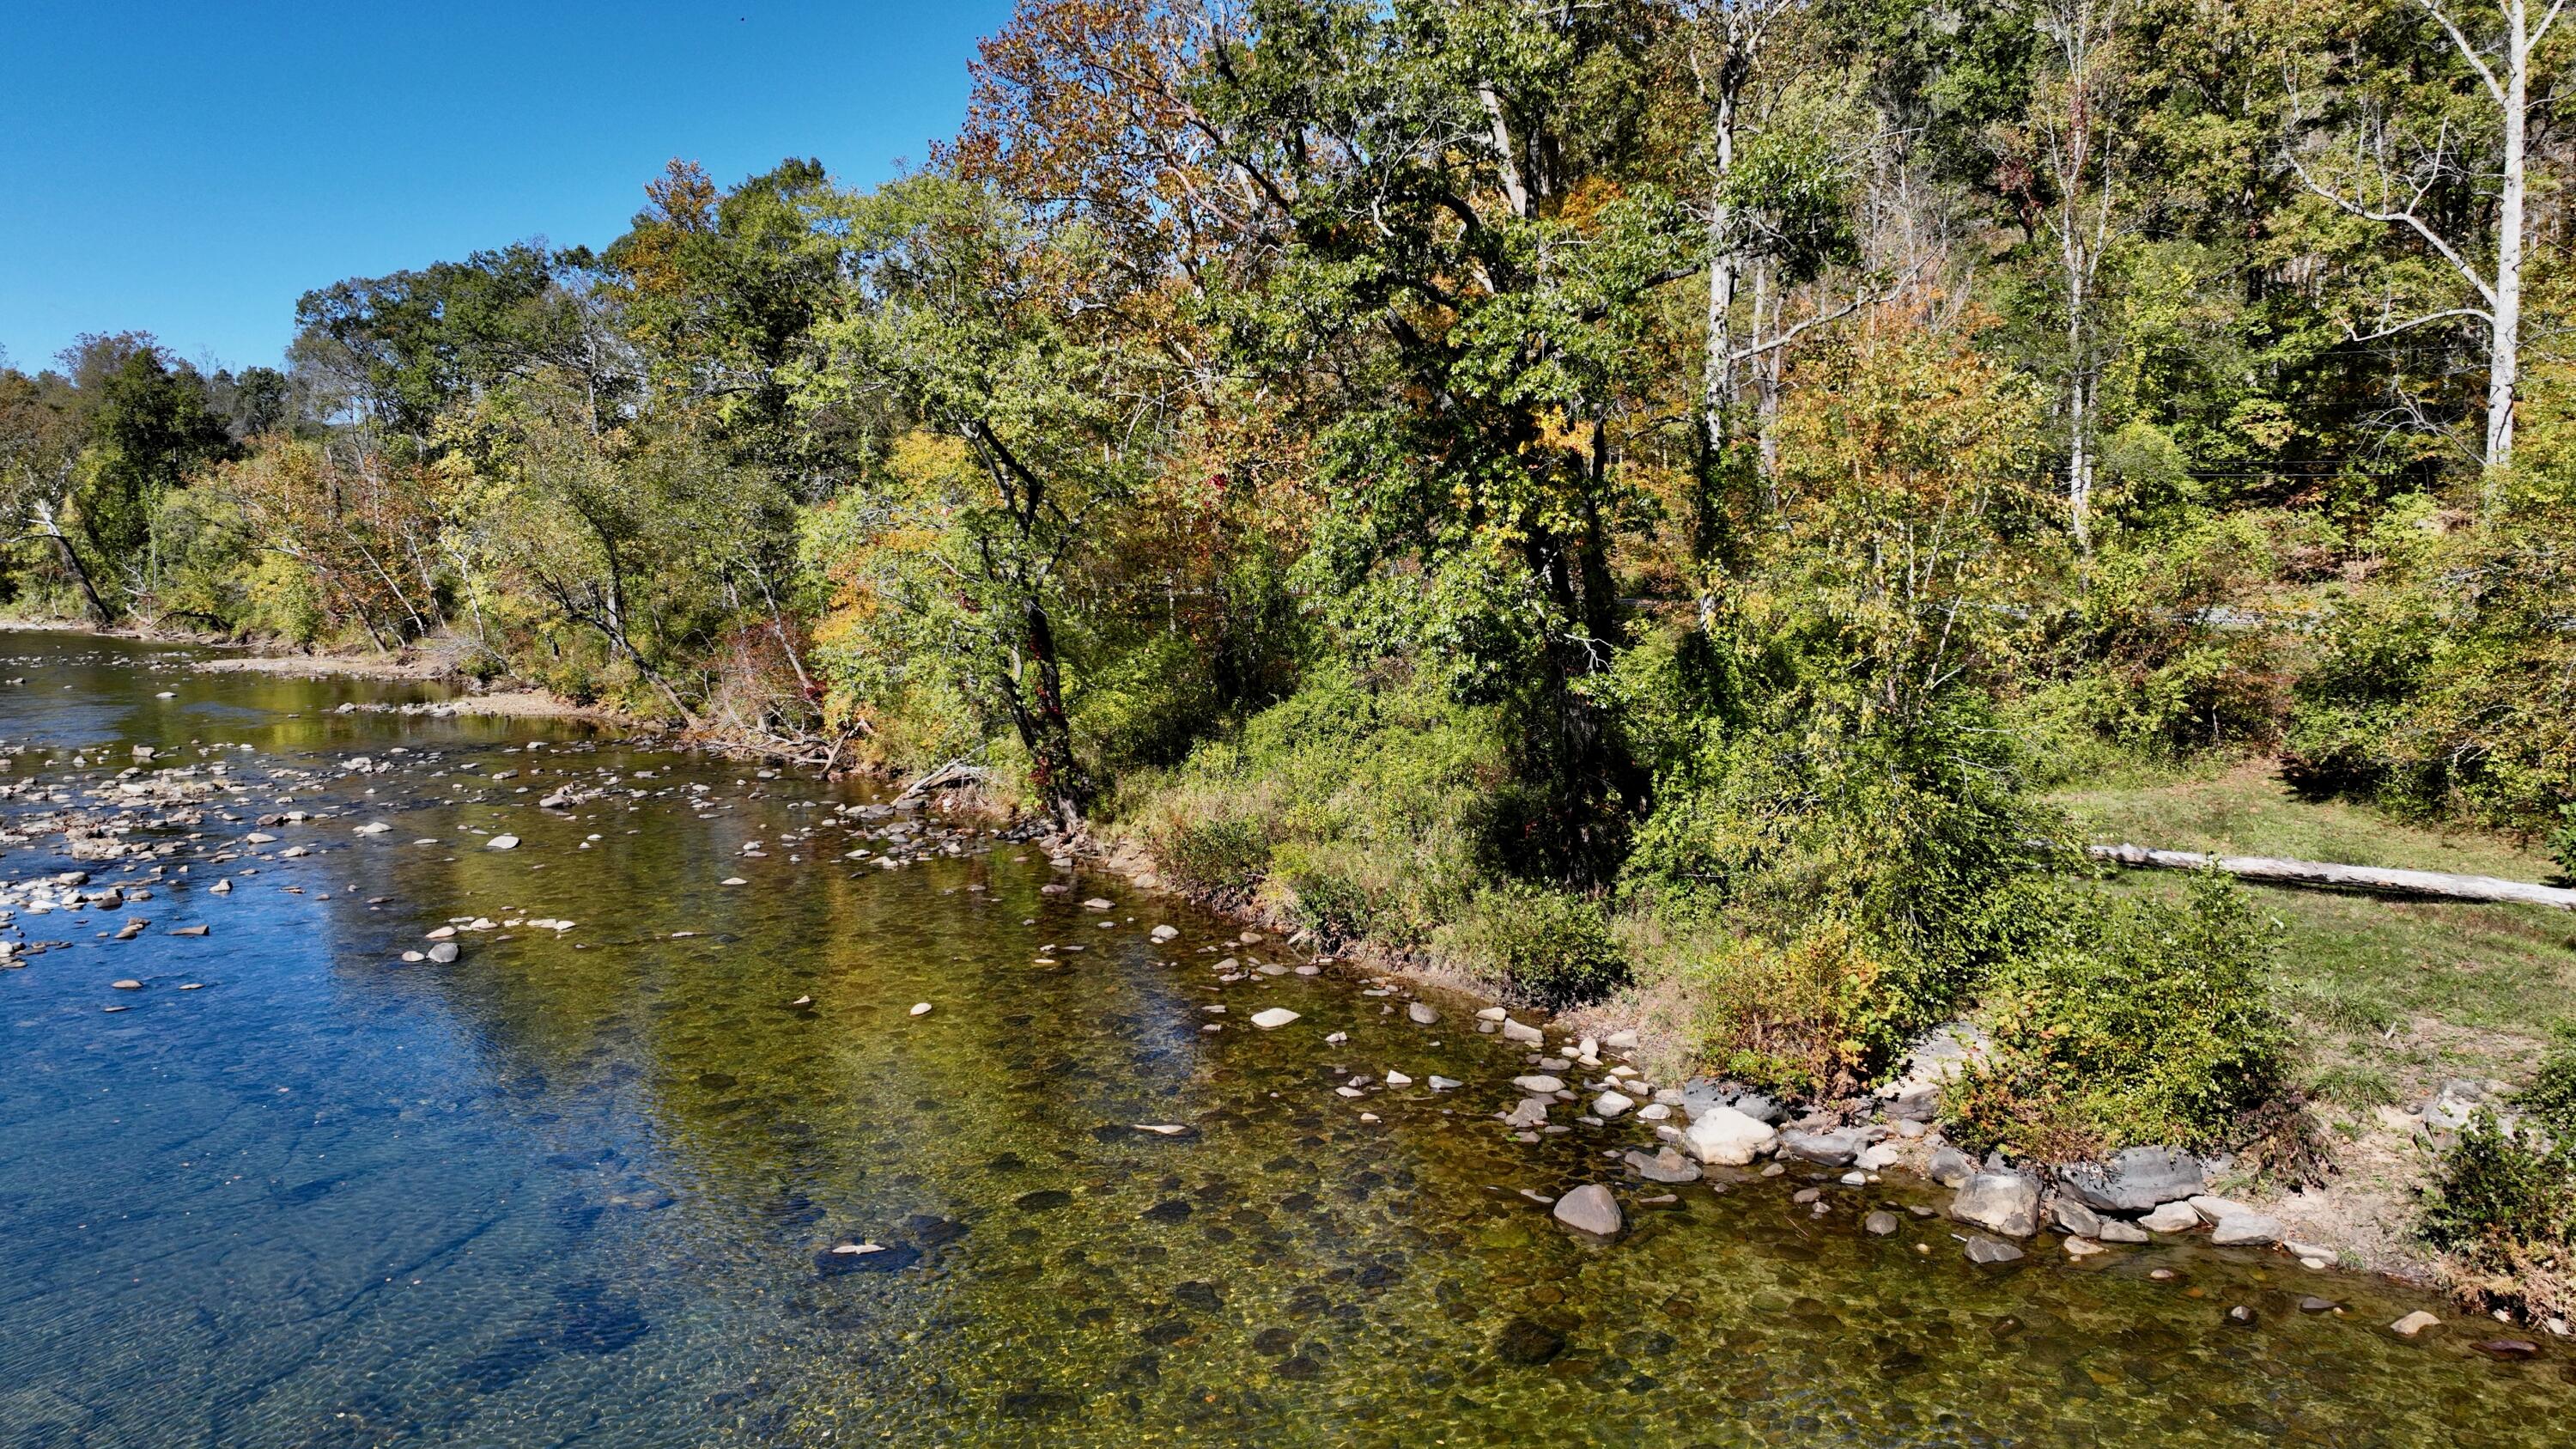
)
(2504, 351)
(1717, 375)
(45, 524)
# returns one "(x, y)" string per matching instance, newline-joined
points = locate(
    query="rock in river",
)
(1987, 1250)
(2172, 1217)
(2134, 1180)
(1528, 1343)
(1590, 1209)
(1273, 1018)
(1726, 1137)
(502, 842)
(1832, 1149)
(2003, 1202)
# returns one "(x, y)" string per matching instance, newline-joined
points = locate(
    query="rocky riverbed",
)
(395, 1078)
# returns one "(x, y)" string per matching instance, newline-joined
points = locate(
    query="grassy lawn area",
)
(2391, 995)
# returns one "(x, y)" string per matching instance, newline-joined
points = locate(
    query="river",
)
(584, 1186)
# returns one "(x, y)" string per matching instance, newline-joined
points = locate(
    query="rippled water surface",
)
(583, 1187)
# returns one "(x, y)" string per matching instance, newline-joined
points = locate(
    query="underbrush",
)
(2122, 1021)
(1355, 811)
(2501, 1208)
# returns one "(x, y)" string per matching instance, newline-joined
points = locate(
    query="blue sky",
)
(188, 169)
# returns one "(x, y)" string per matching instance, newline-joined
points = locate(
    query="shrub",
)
(2502, 1209)
(1225, 856)
(1793, 1019)
(1548, 946)
(2170, 658)
(2126, 1021)
(1863, 866)
(2562, 842)
(1358, 810)
(2448, 683)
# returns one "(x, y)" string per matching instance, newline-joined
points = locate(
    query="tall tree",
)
(2408, 161)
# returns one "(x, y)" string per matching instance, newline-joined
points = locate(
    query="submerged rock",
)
(1590, 1209)
(1528, 1343)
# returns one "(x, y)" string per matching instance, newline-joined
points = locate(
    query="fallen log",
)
(2317, 874)
(955, 772)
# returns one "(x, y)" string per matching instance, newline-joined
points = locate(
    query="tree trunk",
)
(1717, 380)
(1037, 712)
(2504, 361)
(2274, 871)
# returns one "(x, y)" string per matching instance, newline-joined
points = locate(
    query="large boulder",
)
(1832, 1149)
(1727, 1138)
(1951, 1167)
(1590, 1209)
(2134, 1180)
(2001, 1202)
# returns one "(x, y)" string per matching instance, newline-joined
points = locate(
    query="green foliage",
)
(2503, 1208)
(1546, 946)
(1366, 811)
(2449, 684)
(1225, 857)
(2551, 1097)
(2169, 653)
(2126, 1021)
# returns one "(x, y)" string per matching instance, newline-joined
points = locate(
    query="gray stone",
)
(1951, 1167)
(1531, 1112)
(1514, 1031)
(2246, 1230)
(1758, 1107)
(443, 952)
(1666, 1166)
(1879, 1223)
(1727, 1137)
(2134, 1180)
(1590, 1209)
(1832, 1149)
(2076, 1218)
(1987, 1250)
(2172, 1217)
(2002, 1202)
(1421, 1014)
(2116, 1231)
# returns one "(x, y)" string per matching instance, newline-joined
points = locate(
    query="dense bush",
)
(2166, 650)
(2119, 1021)
(2502, 1209)
(1358, 810)
(1830, 892)
(2448, 685)
(1546, 946)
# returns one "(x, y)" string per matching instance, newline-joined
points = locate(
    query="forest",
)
(1639, 500)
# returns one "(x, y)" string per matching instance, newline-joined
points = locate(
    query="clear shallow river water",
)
(581, 1188)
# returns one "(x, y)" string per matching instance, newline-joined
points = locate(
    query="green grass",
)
(2391, 996)
(2240, 807)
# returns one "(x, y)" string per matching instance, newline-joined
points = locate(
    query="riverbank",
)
(2405, 1013)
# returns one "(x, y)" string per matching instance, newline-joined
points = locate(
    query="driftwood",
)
(2318, 874)
(955, 772)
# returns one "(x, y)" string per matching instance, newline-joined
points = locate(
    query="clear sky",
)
(189, 167)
